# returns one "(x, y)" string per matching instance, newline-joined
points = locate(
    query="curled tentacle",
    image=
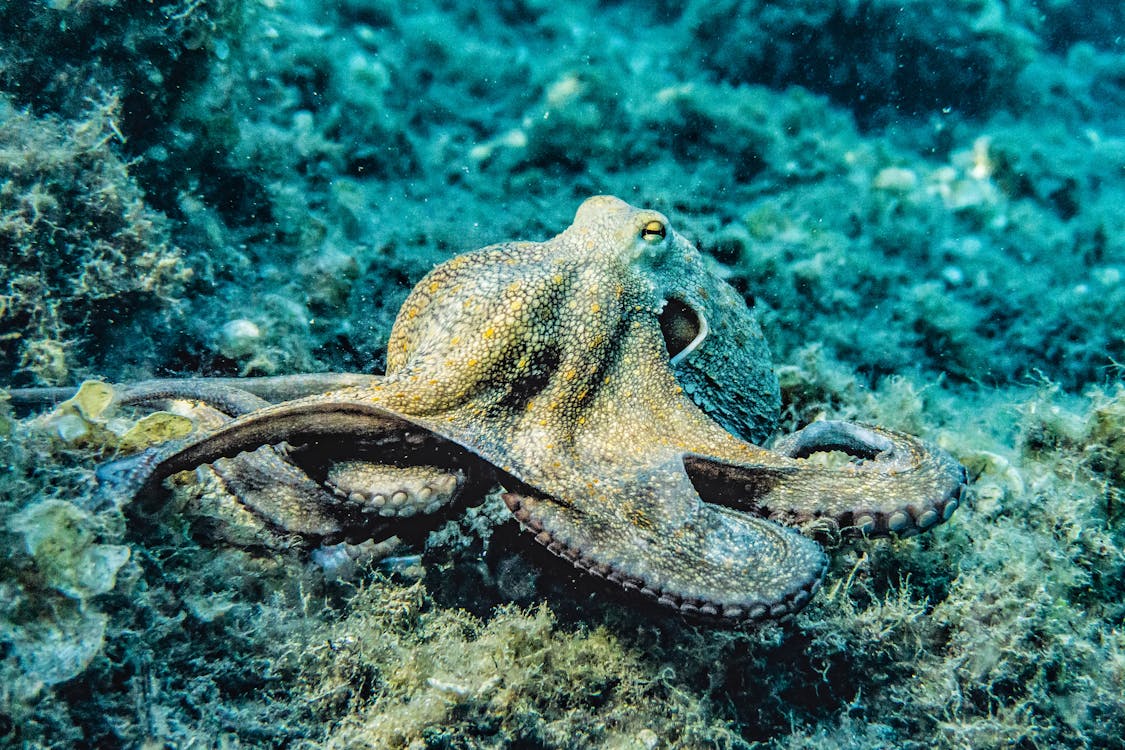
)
(385, 490)
(898, 485)
(276, 485)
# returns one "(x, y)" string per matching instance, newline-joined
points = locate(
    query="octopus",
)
(615, 387)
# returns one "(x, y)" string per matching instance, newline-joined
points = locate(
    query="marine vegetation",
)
(920, 202)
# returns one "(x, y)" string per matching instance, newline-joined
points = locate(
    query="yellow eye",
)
(653, 231)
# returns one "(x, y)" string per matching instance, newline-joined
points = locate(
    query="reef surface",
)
(921, 200)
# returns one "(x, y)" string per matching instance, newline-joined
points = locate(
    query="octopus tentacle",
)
(222, 393)
(283, 496)
(29, 398)
(278, 388)
(728, 564)
(385, 490)
(901, 485)
(264, 479)
(231, 400)
(352, 501)
(688, 554)
(300, 421)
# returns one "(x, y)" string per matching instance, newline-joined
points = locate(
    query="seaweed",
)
(80, 244)
(921, 201)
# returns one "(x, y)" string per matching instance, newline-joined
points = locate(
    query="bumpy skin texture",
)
(553, 363)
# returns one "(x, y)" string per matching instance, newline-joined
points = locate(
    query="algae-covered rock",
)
(53, 649)
(90, 418)
(47, 619)
(58, 537)
(965, 56)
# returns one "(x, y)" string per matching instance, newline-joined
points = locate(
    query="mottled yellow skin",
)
(548, 361)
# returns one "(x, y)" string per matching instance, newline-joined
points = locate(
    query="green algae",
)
(78, 238)
(998, 629)
(516, 677)
(252, 188)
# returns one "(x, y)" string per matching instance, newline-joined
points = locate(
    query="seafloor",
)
(922, 200)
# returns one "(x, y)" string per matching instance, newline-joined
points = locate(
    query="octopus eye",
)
(653, 231)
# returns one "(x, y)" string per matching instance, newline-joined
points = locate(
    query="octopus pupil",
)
(654, 230)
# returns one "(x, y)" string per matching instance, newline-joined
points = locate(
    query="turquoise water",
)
(921, 201)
